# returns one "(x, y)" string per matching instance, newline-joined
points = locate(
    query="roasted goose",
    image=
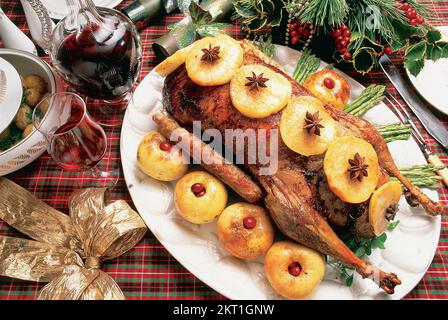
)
(297, 196)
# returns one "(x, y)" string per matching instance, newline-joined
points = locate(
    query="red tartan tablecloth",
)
(148, 271)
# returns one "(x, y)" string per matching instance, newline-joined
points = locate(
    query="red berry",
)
(339, 39)
(294, 34)
(306, 32)
(344, 43)
(293, 26)
(165, 146)
(198, 189)
(299, 21)
(420, 20)
(249, 222)
(300, 29)
(294, 40)
(294, 269)
(329, 83)
(344, 27)
(411, 13)
(342, 50)
(405, 6)
(337, 33)
(347, 55)
(387, 50)
(412, 22)
(347, 33)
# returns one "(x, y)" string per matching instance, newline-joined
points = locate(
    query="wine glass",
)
(98, 52)
(75, 141)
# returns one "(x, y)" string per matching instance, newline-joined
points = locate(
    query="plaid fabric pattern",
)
(148, 271)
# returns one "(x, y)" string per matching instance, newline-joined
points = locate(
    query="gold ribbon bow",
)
(68, 249)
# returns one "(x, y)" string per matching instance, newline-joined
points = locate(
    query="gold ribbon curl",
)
(67, 250)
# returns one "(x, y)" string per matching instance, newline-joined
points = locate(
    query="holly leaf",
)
(268, 6)
(444, 47)
(402, 31)
(212, 29)
(433, 52)
(199, 16)
(433, 36)
(257, 24)
(371, 44)
(397, 45)
(363, 60)
(414, 66)
(276, 21)
(244, 11)
(416, 51)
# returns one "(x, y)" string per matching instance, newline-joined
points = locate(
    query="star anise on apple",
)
(358, 167)
(312, 123)
(256, 82)
(211, 54)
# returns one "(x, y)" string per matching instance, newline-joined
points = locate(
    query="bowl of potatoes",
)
(20, 143)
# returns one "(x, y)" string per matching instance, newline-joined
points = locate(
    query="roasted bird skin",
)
(293, 197)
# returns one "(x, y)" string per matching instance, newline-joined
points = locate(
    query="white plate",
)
(58, 9)
(432, 81)
(12, 93)
(409, 248)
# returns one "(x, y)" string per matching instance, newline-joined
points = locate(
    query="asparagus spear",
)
(422, 176)
(306, 65)
(395, 132)
(369, 98)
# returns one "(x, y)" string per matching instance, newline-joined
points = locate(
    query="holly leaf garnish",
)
(199, 16)
(416, 51)
(364, 59)
(433, 36)
(414, 66)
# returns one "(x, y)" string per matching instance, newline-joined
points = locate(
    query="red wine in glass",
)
(78, 144)
(99, 61)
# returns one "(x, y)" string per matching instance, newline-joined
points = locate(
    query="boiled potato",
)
(28, 130)
(199, 197)
(32, 97)
(159, 159)
(33, 81)
(44, 104)
(245, 230)
(294, 271)
(23, 117)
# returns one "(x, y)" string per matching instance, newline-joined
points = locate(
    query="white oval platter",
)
(409, 251)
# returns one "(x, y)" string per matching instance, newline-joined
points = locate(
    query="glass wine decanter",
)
(98, 52)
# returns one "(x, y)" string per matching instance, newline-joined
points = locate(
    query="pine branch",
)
(326, 14)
